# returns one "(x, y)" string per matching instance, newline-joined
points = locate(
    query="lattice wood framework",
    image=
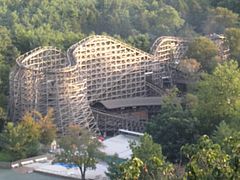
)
(45, 78)
(168, 50)
(111, 122)
(96, 68)
(112, 69)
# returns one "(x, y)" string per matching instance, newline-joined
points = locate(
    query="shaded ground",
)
(6, 174)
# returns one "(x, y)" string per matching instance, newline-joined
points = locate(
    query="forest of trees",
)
(25, 25)
(200, 132)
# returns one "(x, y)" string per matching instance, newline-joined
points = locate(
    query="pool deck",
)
(14, 174)
(24, 170)
(72, 173)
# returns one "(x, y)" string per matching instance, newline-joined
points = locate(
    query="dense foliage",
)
(233, 39)
(204, 51)
(210, 161)
(219, 97)
(147, 163)
(213, 109)
(25, 25)
(212, 106)
(80, 148)
(174, 126)
(48, 129)
(23, 139)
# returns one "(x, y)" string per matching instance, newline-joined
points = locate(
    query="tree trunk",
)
(83, 176)
(82, 173)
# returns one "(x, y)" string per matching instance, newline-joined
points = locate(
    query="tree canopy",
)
(173, 127)
(204, 51)
(212, 108)
(207, 161)
(27, 25)
(22, 140)
(218, 96)
(219, 19)
(48, 130)
(80, 148)
(147, 163)
(233, 41)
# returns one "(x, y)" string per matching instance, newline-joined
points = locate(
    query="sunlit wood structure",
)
(97, 68)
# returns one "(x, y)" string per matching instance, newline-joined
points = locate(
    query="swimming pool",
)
(69, 166)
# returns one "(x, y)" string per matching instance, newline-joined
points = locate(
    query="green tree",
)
(80, 148)
(131, 169)
(8, 52)
(114, 14)
(228, 137)
(22, 140)
(232, 147)
(167, 21)
(2, 119)
(196, 13)
(147, 163)
(219, 19)
(207, 161)
(150, 154)
(222, 131)
(48, 129)
(233, 41)
(31, 132)
(4, 73)
(173, 127)
(204, 51)
(12, 142)
(233, 5)
(114, 170)
(218, 96)
(140, 41)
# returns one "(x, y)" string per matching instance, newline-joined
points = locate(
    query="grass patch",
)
(6, 157)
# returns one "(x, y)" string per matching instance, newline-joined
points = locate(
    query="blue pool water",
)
(69, 166)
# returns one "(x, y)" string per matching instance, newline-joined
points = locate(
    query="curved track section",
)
(112, 69)
(45, 78)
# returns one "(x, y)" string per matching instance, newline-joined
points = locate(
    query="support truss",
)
(97, 68)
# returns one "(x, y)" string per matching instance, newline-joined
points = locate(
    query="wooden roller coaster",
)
(95, 69)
